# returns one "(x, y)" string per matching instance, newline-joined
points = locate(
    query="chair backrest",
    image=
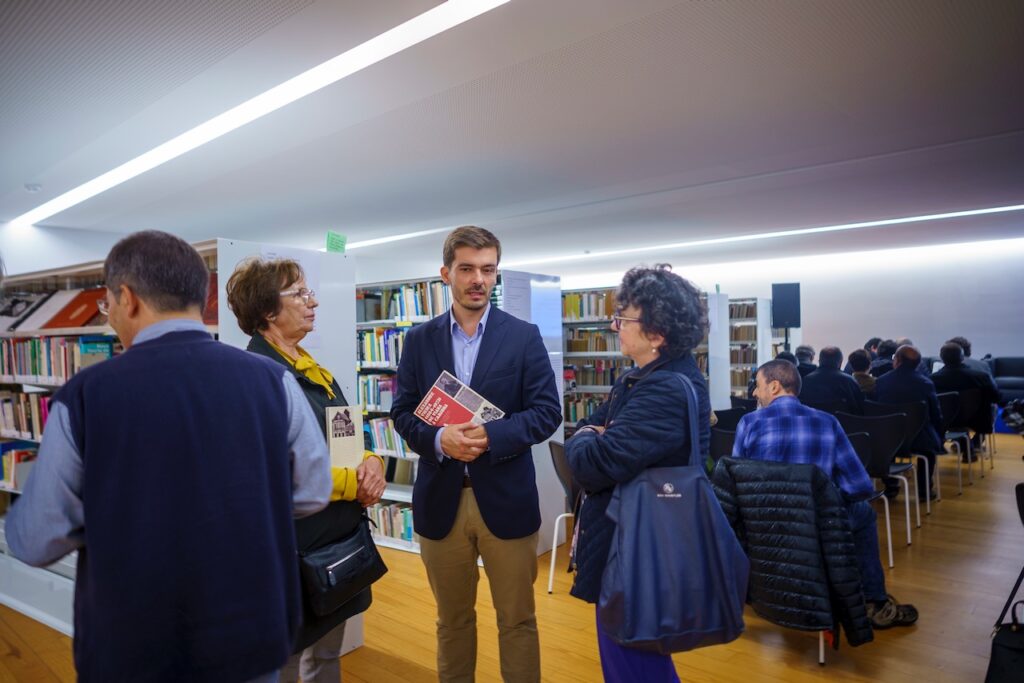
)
(729, 419)
(572, 490)
(949, 404)
(861, 442)
(722, 441)
(1020, 501)
(740, 402)
(886, 434)
(970, 404)
(916, 413)
(830, 407)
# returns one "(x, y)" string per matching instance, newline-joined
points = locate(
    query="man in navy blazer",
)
(475, 493)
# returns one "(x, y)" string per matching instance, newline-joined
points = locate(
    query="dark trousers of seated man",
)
(863, 527)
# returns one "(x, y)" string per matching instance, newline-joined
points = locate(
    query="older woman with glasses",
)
(273, 304)
(644, 423)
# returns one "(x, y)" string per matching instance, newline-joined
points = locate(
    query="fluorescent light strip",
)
(432, 22)
(394, 238)
(759, 271)
(767, 235)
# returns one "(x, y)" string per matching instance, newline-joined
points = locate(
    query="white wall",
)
(926, 293)
(29, 248)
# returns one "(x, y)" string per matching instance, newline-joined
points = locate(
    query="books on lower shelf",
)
(385, 439)
(52, 360)
(393, 520)
(377, 392)
(381, 346)
(582, 405)
(581, 339)
(599, 371)
(16, 459)
(23, 415)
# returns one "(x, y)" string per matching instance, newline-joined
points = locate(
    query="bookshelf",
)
(752, 341)
(385, 311)
(37, 361)
(593, 361)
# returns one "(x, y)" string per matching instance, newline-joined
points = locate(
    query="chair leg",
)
(888, 529)
(959, 467)
(821, 648)
(906, 502)
(560, 519)
(927, 488)
(970, 460)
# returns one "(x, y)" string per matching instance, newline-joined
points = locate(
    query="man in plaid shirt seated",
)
(784, 430)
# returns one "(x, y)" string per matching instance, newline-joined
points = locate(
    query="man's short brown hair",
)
(468, 236)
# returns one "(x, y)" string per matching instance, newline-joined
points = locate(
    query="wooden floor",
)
(958, 572)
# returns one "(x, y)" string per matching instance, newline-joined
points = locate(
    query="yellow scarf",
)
(308, 367)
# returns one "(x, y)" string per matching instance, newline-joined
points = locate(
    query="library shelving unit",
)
(593, 360)
(751, 340)
(36, 359)
(46, 357)
(385, 311)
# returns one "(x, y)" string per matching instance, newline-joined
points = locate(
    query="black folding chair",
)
(746, 403)
(722, 441)
(885, 433)
(729, 419)
(861, 442)
(917, 415)
(949, 404)
(572, 492)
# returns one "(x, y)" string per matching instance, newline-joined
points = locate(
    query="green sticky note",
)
(336, 242)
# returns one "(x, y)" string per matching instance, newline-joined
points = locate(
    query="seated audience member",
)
(955, 375)
(786, 431)
(972, 363)
(828, 385)
(883, 363)
(805, 360)
(923, 368)
(781, 355)
(871, 348)
(905, 385)
(860, 362)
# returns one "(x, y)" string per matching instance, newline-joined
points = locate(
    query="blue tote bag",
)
(676, 577)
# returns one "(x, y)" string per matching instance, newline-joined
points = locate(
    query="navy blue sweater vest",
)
(189, 568)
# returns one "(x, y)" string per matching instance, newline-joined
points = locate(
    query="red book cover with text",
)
(439, 409)
(78, 311)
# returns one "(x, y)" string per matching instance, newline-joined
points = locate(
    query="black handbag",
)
(676, 576)
(335, 573)
(1006, 664)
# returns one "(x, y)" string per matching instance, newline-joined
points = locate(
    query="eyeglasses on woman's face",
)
(306, 295)
(617, 321)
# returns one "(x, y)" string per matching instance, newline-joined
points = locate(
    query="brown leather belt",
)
(467, 483)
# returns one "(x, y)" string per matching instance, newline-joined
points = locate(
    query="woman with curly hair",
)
(644, 423)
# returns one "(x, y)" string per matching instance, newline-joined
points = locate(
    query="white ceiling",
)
(565, 126)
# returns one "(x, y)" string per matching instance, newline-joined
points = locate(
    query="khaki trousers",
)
(511, 567)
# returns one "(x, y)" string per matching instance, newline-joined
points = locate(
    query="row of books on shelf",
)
(744, 354)
(380, 346)
(52, 360)
(582, 340)
(743, 310)
(740, 377)
(16, 459)
(415, 301)
(393, 520)
(25, 311)
(743, 333)
(377, 392)
(588, 305)
(385, 439)
(580, 406)
(600, 372)
(23, 415)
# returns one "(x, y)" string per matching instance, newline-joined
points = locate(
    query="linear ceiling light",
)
(432, 22)
(767, 235)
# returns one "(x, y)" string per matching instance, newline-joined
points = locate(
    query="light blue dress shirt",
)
(465, 350)
(48, 520)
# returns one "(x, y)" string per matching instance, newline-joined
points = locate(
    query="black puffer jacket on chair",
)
(792, 522)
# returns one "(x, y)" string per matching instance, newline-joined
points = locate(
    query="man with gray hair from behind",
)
(175, 469)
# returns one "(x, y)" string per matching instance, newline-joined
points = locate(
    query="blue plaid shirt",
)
(788, 431)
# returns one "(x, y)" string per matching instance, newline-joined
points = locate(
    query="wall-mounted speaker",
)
(786, 305)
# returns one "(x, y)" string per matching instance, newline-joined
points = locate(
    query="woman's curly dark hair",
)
(669, 305)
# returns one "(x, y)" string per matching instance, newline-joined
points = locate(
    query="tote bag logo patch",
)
(668, 490)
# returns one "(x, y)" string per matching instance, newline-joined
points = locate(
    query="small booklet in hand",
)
(450, 401)
(345, 435)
